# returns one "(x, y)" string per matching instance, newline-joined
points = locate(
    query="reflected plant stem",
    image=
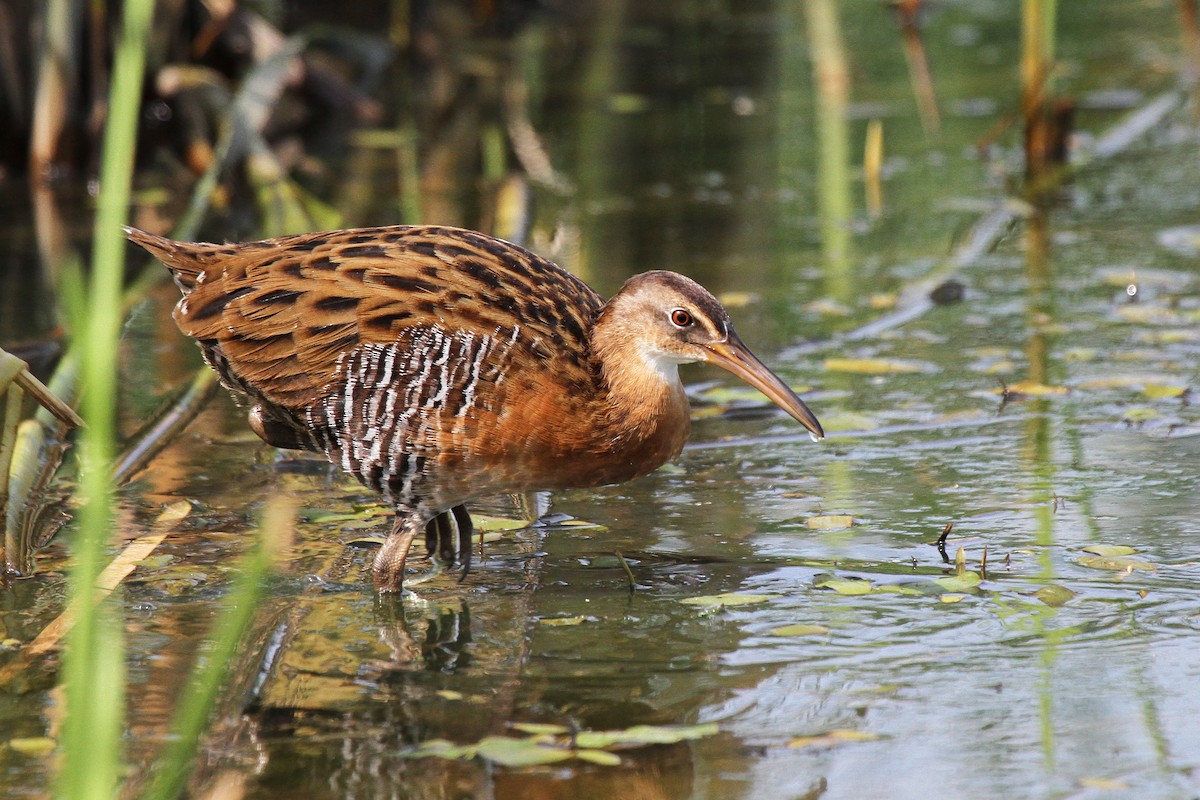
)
(594, 157)
(831, 80)
(918, 70)
(1038, 453)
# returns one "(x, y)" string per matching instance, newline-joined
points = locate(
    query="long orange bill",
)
(734, 356)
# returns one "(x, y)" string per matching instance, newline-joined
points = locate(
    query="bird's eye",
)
(681, 318)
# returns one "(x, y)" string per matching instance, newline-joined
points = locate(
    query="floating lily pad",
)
(833, 738)
(540, 728)
(873, 366)
(737, 299)
(1104, 784)
(952, 598)
(848, 421)
(1140, 414)
(800, 629)
(556, 621)
(1054, 595)
(486, 523)
(33, 745)
(1116, 563)
(1033, 389)
(958, 583)
(583, 523)
(640, 735)
(601, 757)
(511, 752)
(846, 586)
(1162, 391)
(829, 522)
(727, 599)
(1109, 549)
(898, 588)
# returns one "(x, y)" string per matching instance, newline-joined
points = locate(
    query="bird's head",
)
(668, 319)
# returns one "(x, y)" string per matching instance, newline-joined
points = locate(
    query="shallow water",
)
(694, 149)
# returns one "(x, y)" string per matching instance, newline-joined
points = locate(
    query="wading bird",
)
(437, 365)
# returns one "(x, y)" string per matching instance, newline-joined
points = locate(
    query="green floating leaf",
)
(1115, 563)
(727, 599)
(829, 522)
(583, 523)
(833, 738)
(800, 629)
(510, 752)
(540, 728)
(872, 366)
(555, 621)
(324, 516)
(441, 748)
(640, 735)
(484, 522)
(1054, 595)
(601, 757)
(1158, 391)
(1109, 549)
(848, 421)
(898, 588)
(952, 598)
(1140, 414)
(849, 586)
(958, 583)
(33, 746)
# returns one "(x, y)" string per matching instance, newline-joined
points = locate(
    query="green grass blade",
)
(93, 661)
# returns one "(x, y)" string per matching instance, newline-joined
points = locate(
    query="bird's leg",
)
(462, 519)
(389, 562)
(446, 548)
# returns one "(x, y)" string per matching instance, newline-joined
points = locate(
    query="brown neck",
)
(646, 414)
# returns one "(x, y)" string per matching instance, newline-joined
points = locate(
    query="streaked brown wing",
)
(275, 316)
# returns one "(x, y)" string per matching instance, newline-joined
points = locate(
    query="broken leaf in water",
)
(952, 598)
(323, 516)
(1032, 389)
(640, 735)
(540, 728)
(735, 299)
(553, 621)
(800, 629)
(898, 588)
(510, 752)
(483, 522)
(829, 522)
(833, 738)
(583, 523)
(601, 757)
(849, 586)
(1162, 391)
(1115, 563)
(727, 599)
(1054, 595)
(848, 421)
(873, 366)
(33, 745)
(1140, 414)
(1109, 549)
(958, 583)
(1104, 784)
